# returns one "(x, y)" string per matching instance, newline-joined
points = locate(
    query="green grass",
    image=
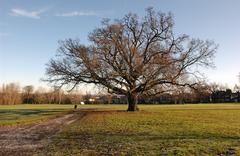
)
(211, 129)
(12, 115)
(155, 130)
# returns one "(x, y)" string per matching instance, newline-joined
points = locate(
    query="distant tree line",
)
(12, 93)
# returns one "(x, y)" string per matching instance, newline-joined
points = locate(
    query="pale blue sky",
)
(30, 30)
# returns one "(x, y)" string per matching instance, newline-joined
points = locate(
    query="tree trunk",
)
(132, 102)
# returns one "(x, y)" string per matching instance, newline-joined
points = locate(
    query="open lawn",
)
(155, 130)
(11, 115)
(202, 129)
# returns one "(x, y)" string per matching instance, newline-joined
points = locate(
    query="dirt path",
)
(23, 140)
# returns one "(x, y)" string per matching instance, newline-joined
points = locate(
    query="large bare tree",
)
(133, 56)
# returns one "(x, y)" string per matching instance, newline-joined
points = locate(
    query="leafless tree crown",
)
(133, 56)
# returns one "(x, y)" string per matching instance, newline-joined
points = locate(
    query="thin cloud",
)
(77, 13)
(24, 13)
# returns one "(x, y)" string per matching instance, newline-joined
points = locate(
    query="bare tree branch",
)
(133, 56)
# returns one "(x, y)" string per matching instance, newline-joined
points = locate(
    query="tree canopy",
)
(133, 56)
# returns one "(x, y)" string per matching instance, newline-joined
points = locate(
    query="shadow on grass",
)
(143, 136)
(27, 112)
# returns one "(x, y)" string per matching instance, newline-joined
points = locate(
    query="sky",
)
(30, 31)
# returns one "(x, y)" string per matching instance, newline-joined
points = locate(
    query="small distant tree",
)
(40, 96)
(27, 91)
(133, 56)
(203, 92)
(58, 94)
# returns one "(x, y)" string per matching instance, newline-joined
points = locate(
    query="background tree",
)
(202, 93)
(27, 92)
(40, 95)
(133, 56)
(10, 94)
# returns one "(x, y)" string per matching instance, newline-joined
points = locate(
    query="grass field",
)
(11, 115)
(155, 130)
(210, 129)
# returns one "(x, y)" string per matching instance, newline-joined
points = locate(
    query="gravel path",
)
(23, 140)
